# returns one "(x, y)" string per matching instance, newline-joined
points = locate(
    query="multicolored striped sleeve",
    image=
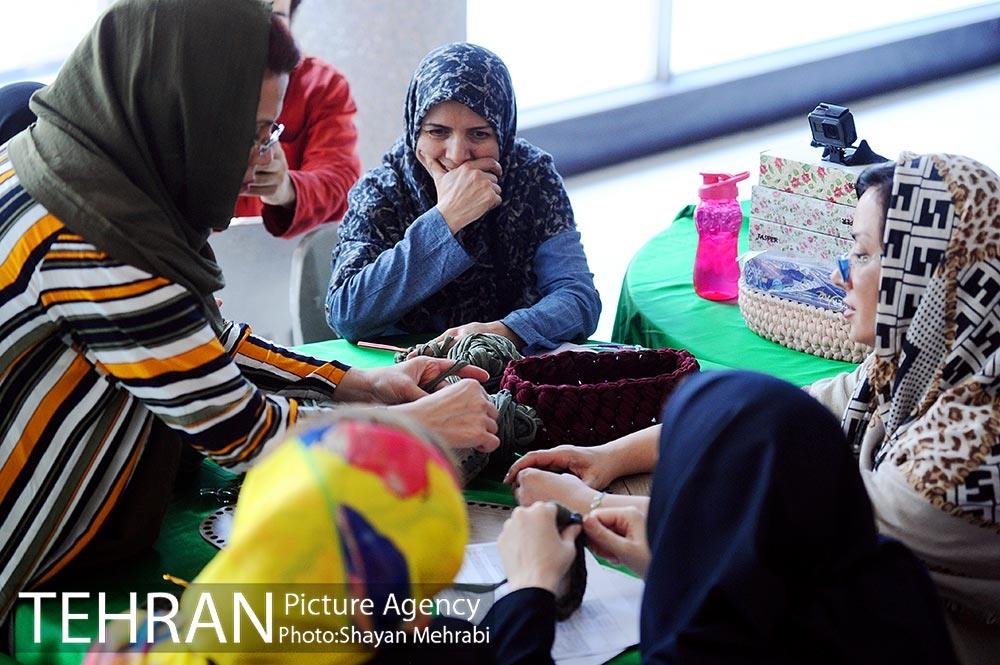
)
(279, 370)
(147, 336)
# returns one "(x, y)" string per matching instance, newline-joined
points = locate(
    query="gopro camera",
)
(832, 126)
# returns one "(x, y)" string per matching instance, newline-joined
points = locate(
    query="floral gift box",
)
(821, 216)
(810, 177)
(796, 241)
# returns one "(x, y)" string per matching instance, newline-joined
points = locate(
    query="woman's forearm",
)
(625, 501)
(570, 305)
(634, 453)
(380, 293)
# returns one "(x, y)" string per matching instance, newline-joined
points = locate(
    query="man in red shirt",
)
(306, 181)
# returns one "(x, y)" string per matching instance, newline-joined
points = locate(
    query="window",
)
(560, 50)
(40, 34)
(600, 83)
(563, 49)
(706, 34)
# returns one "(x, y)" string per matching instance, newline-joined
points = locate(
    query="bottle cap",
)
(720, 185)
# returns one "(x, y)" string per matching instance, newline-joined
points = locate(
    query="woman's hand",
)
(466, 193)
(458, 332)
(531, 485)
(271, 181)
(401, 382)
(619, 535)
(533, 552)
(461, 414)
(398, 384)
(595, 466)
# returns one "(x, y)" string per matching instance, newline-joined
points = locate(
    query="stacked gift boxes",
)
(803, 207)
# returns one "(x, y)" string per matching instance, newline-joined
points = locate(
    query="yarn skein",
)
(486, 350)
(517, 425)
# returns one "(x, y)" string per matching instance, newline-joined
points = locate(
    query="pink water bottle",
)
(718, 218)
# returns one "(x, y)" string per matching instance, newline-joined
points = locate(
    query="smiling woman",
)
(453, 134)
(464, 227)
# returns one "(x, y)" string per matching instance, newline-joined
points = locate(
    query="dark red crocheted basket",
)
(586, 398)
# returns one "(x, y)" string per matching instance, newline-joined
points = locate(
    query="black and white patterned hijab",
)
(933, 379)
(388, 199)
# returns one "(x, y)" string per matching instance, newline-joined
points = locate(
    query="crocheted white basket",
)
(798, 326)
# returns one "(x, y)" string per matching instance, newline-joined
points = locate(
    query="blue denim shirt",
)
(429, 257)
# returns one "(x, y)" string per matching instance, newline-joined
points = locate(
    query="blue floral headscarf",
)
(388, 199)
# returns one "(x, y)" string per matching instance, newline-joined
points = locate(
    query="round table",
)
(658, 308)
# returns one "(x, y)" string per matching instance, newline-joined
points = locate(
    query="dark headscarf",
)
(763, 540)
(142, 140)
(388, 199)
(15, 116)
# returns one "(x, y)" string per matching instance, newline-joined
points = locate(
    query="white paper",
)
(565, 346)
(482, 565)
(607, 622)
(486, 520)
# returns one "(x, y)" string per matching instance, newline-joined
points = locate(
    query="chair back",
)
(310, 279)
(255, 265)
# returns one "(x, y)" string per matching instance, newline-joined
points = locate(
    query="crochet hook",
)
(382, 347)
(456, 367)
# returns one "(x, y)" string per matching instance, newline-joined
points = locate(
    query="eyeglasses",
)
(847, 261)
(267, 141)
(226, 495)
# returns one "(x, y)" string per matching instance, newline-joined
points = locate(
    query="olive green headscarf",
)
(142, 140)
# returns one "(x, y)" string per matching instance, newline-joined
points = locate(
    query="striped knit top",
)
(91, 350)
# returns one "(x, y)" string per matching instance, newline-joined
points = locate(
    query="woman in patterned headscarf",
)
(463, 226)
(922, 412)
(924, 409)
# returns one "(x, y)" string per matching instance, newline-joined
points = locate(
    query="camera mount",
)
(850, 156)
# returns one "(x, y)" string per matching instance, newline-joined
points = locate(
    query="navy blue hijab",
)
(763, 540)
(502, 244)
(15, 116)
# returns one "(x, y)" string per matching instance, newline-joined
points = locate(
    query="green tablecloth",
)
(356, 356)
(659, 308)
(180, 549)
